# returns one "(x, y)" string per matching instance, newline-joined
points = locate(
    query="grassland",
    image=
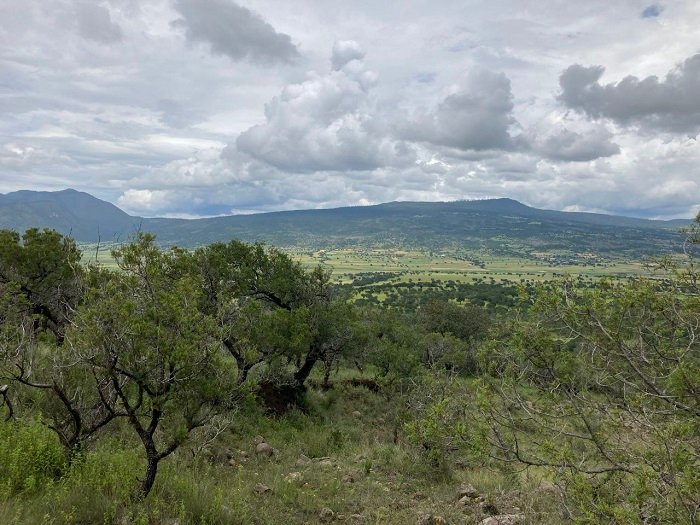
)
(420, 266)
(345, 460)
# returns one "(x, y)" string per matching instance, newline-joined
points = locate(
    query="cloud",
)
(327, 122)
(671, 104)
(652, 11)
(95, 23)
(565, 145)
(234, 31)
(345, 51)
(475, 116)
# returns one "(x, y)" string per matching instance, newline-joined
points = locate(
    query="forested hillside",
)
(498, 226)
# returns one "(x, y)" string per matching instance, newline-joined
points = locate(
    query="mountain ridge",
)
(499, 225)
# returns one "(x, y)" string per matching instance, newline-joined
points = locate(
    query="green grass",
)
(356, 429)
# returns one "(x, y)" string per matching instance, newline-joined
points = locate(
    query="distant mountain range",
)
(501, 226)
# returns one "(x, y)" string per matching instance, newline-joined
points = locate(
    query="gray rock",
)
(262, 489)
(303, 461)
(263, 449)
(467, 491)
(326, 515)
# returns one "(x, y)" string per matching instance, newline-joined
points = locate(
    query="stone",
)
(357, 518)
(549, 487)
(263, 449)
(425, 519)
(467, 491)
(258, 439)
(325, 462)
(262, 489)
(348, 478)
(293, 476)
(430, 519)
(303, 461)
(504, 519)
(357, 413)
(326, 515)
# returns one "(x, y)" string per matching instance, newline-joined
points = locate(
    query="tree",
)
(269, 308)
(143, 334)
(41, 284)
(45, 268)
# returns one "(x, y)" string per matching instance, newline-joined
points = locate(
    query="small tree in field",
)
(142, 332)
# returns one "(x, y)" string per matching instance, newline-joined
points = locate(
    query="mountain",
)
(500, 226)
(72, 212)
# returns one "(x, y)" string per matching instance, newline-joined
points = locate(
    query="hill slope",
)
(72, 212)
(501, 226)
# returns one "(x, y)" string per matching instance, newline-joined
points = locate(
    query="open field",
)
(422, 266)
(464, 268)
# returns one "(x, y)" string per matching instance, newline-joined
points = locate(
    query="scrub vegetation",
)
(239, 383)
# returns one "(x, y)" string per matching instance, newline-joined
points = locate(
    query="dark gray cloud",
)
(652, 11)
(476, 116)
(234, 31)
(671, 104)
(95, 23)
(566, 145)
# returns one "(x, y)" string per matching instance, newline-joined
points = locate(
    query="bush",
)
(31, 458)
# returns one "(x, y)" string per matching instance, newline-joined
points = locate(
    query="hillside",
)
(79, 214)
(499, 226)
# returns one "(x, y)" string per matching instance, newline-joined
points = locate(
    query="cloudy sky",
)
(204, 107)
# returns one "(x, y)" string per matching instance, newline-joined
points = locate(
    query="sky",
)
(190, 108)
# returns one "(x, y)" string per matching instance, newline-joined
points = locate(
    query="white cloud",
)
(463, 103)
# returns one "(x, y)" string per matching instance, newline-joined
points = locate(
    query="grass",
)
(370, 475)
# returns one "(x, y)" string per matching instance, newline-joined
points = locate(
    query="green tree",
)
(44, 267)
(157, 356)
(41, 283)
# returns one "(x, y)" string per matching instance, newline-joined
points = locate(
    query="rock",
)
(425, 519)
(325, 462)
(263, 449)
(467, 491)
(549, 487)
(430, 519)
(357, 413)
(243, 454)
(348, 478)
(326, 515)
(293, 476)
(465, 500)
(357, 518)
(258, 439)
(303, 461)
(504, 519)
(262, 489)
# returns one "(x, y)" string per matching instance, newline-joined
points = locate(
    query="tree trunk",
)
(152, 460)
(303, 373)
